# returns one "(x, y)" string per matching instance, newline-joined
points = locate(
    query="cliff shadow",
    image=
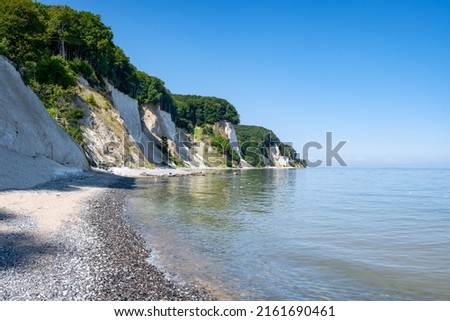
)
(17, 246)
(6, 216)
(86, 179)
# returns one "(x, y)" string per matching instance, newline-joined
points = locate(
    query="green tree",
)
(22, 30)
(195, 111)
(62, 30)
(256, 142)
(96, 44)
(122, 74)
(152, 90)
(55, 70)
(84, 68)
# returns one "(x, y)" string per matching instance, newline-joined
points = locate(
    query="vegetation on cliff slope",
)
(256, 142)
(194, 111)
(53, 45)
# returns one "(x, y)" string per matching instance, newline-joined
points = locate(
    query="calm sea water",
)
(314, 234)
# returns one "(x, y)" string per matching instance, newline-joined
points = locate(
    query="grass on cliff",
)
(59, 103)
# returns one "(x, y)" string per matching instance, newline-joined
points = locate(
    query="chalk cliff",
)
(33, 148)
(116, 132)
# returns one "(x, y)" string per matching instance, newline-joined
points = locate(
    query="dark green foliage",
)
(258, 134)
(75, 114)
(55, 97)
(58, 101)
(152, 91)
(164, 145)
(252, 154)
(167, 154)
(195, 111)
(84, 68)
(287, 150)
(220, 145)
(74, 132)
(256, 142)
(88, 38)
(63, 30)
(52, 45)
(32, 33)
(4, 48)
(220, 142)
(55, 71)
(122, 74)
(91, 100)
(22, 30)
(82, 36)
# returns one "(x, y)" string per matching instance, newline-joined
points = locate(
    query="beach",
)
(68, 240)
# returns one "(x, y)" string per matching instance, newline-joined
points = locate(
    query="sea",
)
(301, 234)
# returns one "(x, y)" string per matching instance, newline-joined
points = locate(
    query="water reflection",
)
(217, 202)
(304, 234)
(218, 214)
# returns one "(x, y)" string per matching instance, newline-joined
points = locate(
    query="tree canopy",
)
(195, 111)
(153, 91)
(31, 33)
(52, 45)
(22, 30)
(256, 142)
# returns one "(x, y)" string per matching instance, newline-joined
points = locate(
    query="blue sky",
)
(374, 73)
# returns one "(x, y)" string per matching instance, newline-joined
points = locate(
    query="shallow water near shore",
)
(314, 234)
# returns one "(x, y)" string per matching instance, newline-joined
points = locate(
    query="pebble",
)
(98, 257)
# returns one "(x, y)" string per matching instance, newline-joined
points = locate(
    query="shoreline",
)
(69, 240)
(179, 172)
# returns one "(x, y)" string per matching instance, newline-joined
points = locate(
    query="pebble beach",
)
(69, 240)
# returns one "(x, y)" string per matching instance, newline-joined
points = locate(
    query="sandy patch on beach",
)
(68, 240)
(47, 209)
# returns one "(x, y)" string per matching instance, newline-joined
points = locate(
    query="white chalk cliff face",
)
(111, 128)
(25, 125)
(231, 134)
(277, 159)
(128, 109)
(158, 124)
(117, 132)
(33, 148)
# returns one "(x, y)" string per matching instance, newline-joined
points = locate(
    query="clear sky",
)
(374, 73)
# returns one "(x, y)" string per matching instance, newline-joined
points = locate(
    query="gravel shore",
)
(95, 255)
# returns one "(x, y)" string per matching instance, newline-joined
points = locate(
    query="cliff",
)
(33, 147)
(260, 147)
(111, 128)
(116, 115)
(116, 130)
(120, 132)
